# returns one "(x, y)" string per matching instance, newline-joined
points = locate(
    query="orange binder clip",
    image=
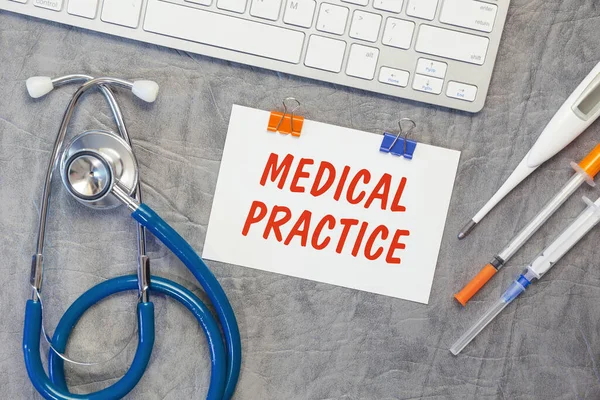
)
(286, 122)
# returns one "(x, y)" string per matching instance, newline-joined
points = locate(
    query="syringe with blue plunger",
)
(534, 271)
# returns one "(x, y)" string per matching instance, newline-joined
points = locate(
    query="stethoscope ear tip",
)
(145, 90)
(38, 86)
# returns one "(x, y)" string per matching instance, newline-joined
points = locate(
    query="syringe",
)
(540, 265)
(585, 171)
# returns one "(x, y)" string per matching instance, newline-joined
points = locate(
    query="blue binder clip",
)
(400, 146)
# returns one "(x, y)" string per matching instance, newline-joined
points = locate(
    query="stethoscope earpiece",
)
(39, 86)
(145, 90)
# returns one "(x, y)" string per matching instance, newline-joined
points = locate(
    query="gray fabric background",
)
(303, 340)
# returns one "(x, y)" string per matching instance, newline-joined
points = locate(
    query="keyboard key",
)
(55, 5)
(122, 12)
(398, 33)
(365, 26)
(422, 8)
(451, 44)
(392, 76)
(432, 68)
(217, 30)
(469, 14)
(332, 19)
(362, 61)
(83, 8)
(238, 6)
(267, 9)
(428, 84)
(201, 2)
(325, 53)
(299, 12)
(461, 91)
(20, 1)
(394, 6)
(359, 2)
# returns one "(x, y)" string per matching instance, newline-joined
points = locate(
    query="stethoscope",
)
(100, 170)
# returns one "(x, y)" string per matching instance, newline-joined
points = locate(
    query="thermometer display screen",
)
(590, 102)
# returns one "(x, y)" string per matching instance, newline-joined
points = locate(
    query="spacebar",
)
(223, 31)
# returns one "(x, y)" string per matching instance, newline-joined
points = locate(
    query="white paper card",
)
(331, 206)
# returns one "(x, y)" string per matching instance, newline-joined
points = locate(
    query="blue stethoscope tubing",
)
(50, 390)
(224, 374)
(170, 238)
(157, 284)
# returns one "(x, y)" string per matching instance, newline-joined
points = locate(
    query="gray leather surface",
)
(303, 340)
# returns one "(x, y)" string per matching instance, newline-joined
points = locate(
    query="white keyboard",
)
(435, 51)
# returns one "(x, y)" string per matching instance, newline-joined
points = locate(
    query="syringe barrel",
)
(567, 239)
(541, 264)
(541, 217)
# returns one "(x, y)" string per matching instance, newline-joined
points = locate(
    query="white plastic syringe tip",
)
(38, 86)
(145, 90)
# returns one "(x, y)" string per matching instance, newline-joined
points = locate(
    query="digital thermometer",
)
(576, 114)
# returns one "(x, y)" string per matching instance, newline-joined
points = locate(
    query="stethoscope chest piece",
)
(92, 163)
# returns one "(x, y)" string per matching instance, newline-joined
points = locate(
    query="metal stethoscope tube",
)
(90, 82)
(225, 360)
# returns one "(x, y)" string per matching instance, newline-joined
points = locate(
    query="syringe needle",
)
(585, 171)
(536, 269)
